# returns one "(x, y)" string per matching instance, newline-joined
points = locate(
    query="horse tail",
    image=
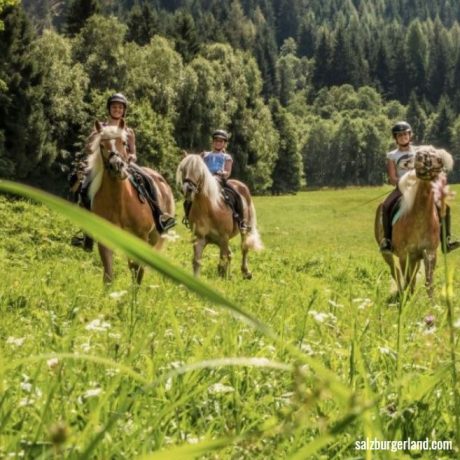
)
(253, 240)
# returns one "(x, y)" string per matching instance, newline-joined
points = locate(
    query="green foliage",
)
(79, 12)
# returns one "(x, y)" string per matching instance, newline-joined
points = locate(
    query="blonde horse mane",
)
(408, 184)
(193, 167)
(95, 166)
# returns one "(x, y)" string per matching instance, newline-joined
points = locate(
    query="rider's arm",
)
(391, 171)
(227, 168)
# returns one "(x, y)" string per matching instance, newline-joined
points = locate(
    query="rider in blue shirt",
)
(219, 162)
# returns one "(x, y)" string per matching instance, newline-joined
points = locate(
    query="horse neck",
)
(424, 204)
(113, 188)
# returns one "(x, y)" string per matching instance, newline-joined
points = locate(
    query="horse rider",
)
(400, 161)
(117, 105)
(219, 163)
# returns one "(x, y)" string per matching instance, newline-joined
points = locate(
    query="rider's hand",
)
(131, 158)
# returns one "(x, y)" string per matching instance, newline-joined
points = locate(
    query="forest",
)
(308, 89)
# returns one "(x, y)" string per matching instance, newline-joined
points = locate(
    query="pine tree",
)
(79, 12)
(143, 23)
(22, 125)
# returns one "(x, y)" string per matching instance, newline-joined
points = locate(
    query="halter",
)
(196, 187)
(112, 153)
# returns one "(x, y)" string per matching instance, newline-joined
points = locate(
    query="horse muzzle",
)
(117, 167)
(189, 188)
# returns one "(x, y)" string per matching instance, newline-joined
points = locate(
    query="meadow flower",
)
(98, 325)
(117, 295)
(52, 363)
(92, 393)
(219, 388)
(386, 351)
(15, 341)
(321, 317)
(363, 303)
(335, 304)
(26, 386)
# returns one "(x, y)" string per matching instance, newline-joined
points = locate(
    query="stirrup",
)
(452, 245)
(166, 222)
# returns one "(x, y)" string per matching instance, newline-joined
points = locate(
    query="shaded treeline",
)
(308, 89)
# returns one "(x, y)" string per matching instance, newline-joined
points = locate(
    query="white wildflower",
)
(322, 317)
(117, 295)
(220, 388)
(26, 386)
(335, 304)
(52, 363)
(363, 303)
(85, 347)
(98, 325)
(92, 393)
(306, 348)
(15, 341)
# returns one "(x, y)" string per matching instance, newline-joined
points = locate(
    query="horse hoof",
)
(247, 276)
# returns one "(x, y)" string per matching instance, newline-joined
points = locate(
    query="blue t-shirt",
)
(215, 161)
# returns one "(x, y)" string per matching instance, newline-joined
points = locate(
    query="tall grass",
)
(301, 362)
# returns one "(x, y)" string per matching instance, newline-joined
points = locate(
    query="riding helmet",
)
(118, 97)
(401, 127)
(220, 134)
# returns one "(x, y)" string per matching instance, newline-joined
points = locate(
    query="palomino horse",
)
(211, 219)
(417, 228)
(114, 198)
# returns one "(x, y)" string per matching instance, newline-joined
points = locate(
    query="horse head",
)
(112, 144)
(193, 178)
(431, 162)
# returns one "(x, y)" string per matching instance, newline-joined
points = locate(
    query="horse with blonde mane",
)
(114, 197)
(211, 219)
(416, 227)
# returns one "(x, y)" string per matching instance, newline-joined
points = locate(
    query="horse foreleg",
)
(198, 247)
(106, 258)
(137, 271)
(429, 259)
(244, 262)
(224, 262)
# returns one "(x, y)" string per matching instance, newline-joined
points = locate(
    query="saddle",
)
(231, 198)
(144, 185)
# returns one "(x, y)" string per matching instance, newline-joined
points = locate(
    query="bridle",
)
(428, 172)
(112, 153)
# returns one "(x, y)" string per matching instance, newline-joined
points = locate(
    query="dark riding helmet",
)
(118, 97)
(220, 134)
(401, 127)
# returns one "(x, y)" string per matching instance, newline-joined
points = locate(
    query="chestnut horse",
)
(416, 228)
(114, 198)
(211, 219)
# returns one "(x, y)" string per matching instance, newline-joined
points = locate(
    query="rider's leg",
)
(448, 245)
(387, 208)
(163, 220)
(238, 207)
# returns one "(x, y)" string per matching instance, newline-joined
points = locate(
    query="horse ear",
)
(184, 153)
(447, 160)
(98, 126)
(121, 123)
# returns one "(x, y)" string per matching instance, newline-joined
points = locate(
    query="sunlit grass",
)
(155, 370)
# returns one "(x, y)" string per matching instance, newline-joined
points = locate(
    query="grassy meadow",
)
(161, 373)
